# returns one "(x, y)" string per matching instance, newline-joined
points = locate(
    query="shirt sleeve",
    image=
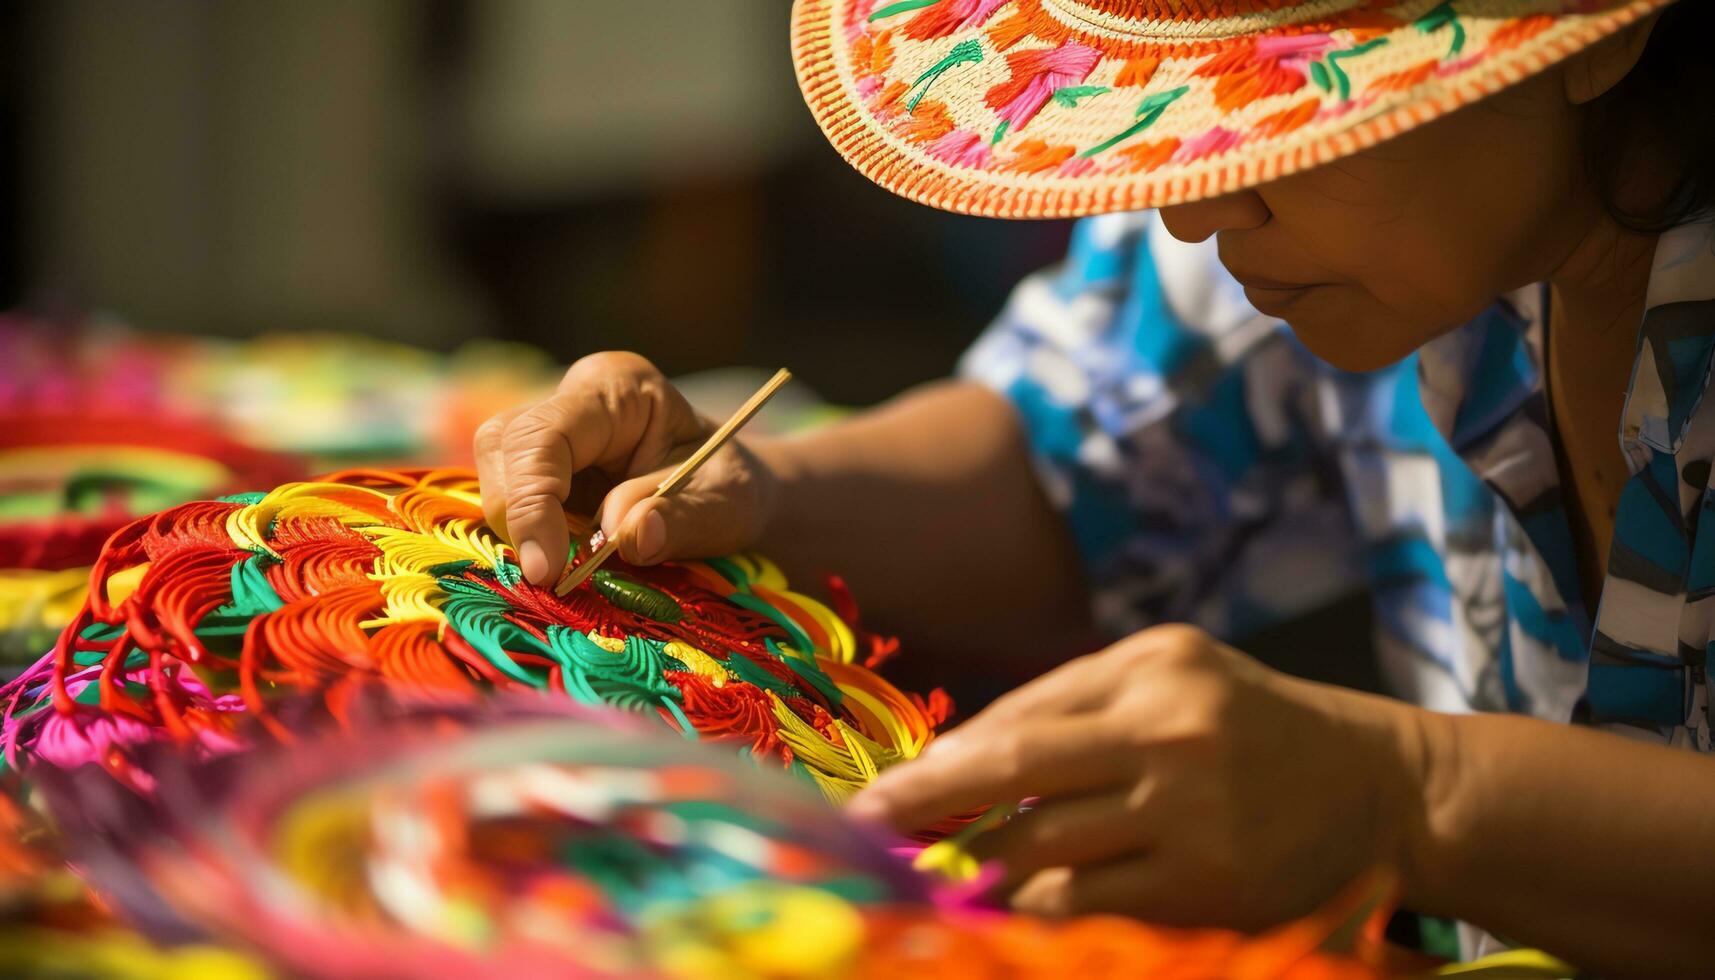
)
(1177, 429)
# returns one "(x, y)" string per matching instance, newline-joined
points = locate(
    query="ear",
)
(1600, 67)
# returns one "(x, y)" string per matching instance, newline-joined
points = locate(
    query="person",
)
(1411, 267)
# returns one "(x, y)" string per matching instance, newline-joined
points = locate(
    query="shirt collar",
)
(1478, 377)
(1676, 342)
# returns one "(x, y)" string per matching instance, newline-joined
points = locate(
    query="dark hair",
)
(1662, 112)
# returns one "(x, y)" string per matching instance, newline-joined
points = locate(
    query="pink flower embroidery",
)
(950, 16)
(857, 18)
(961, 148)
(1035, 75)
(1259, 68)
(1217, 140)
(1077, 167)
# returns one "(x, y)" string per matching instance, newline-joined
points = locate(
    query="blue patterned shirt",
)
(1213, 471)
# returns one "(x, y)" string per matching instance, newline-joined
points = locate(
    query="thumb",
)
(692, 523)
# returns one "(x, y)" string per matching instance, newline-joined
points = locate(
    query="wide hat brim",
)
(1063, 108)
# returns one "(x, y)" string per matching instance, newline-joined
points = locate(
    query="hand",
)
(1178, 780)
(613, 429)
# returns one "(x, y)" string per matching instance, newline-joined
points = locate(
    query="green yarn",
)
(1149, 112)
(903, 6)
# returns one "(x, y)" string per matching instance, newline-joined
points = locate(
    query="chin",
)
(1348, 343)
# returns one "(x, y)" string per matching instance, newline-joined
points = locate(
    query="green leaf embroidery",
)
(965, 52)
(1148, 112)
(1319, 75)
(1070, 95)
(1334, 57)
(903, 6)
(1439, 16)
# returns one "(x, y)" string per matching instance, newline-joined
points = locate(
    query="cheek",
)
(1437, 224)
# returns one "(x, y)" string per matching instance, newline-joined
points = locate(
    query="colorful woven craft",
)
(330, 724)
(69, 479)
(1054, 108)
(526, 839)
(204, 615)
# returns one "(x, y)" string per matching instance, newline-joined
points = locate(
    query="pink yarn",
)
(67, 741)
(1293, 50)
(1077, 167)
(1036, 75)
(1217, 140)
(957, 15)
(961, 148)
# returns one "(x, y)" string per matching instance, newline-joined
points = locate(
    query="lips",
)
(1270, 285)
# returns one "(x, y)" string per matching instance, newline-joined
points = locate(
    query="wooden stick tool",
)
(744, 414)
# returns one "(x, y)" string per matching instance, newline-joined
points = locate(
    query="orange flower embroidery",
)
(1399, 81)
(1516, 32)
(1136, 72)
(1287, 120)
(1023, 23)
(1258, 68)
(1035, 156)
(887, 104)
(929, 121)
(873, 55)
(1009, 31)
(1146, 156)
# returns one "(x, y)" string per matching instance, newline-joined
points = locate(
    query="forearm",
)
(1595, 847)
(929, 509)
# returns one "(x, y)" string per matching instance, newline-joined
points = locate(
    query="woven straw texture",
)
(1061, 108)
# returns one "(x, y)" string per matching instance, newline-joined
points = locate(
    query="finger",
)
(1046, 758)
(1077, 686)
(537, 460)
(651, 417)
(1136, 885)
(1152, 886)
(610, 410)
(491, 469)
(1070, 831)
(1091, 682)
(711, 515)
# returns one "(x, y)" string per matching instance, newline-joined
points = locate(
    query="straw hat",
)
(1055, 108)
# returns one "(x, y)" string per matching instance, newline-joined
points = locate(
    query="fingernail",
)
(533, 561)
(651, 536)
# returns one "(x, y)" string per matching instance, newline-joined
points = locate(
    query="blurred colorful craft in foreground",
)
(331, 725)
(201, 617)
(531, 838)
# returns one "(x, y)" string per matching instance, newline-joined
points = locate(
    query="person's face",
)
(1372, 256)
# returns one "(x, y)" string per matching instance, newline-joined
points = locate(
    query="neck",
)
(1598, 296)
(1599, 291)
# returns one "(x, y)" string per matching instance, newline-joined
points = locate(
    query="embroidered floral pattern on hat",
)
(1046, 108)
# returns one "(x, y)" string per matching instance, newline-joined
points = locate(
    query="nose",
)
(1198, 220)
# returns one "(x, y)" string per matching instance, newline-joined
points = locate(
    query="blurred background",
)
(569, 174)
(267, 221)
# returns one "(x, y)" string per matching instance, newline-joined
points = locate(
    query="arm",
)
(924, 503)
(930, 497)
(1594, 846)
(1180, 781)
